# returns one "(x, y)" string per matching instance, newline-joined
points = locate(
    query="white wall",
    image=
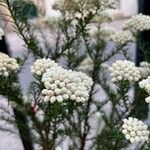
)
(129, 7)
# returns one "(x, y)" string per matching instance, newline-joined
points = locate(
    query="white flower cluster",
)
(138, 23)
(144, 69)
(1, 33)
(122, 37)
(135, 130)
(108, 4)
(61, 84)
(124, 70)
(86, 65)
(40, 65)
(7, 65)
(145, 84)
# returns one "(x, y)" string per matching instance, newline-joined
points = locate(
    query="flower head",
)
(135, 130)
(122, 37)
(61, 84)
(138, 23)
(124, 70)
(7, 65)
(145, 84)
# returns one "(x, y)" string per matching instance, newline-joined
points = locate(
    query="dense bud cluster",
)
(145, 84)
(7, 65)
(1, 33)
(39, 67)
(135, 130)
(61, 84)
(122, 37)
(124, 70)
(138, 23)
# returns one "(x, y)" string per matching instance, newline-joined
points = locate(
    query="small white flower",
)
(127, 136)
(52, 99)
(72, 97)
(47, 85)
(57, 91)
(65, 96)
(132, 133)
(45, 91)
(135, 130)
(46, 98)
(124, 131)
(59, 98)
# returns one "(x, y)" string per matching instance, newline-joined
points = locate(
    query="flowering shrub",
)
(76, 93)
